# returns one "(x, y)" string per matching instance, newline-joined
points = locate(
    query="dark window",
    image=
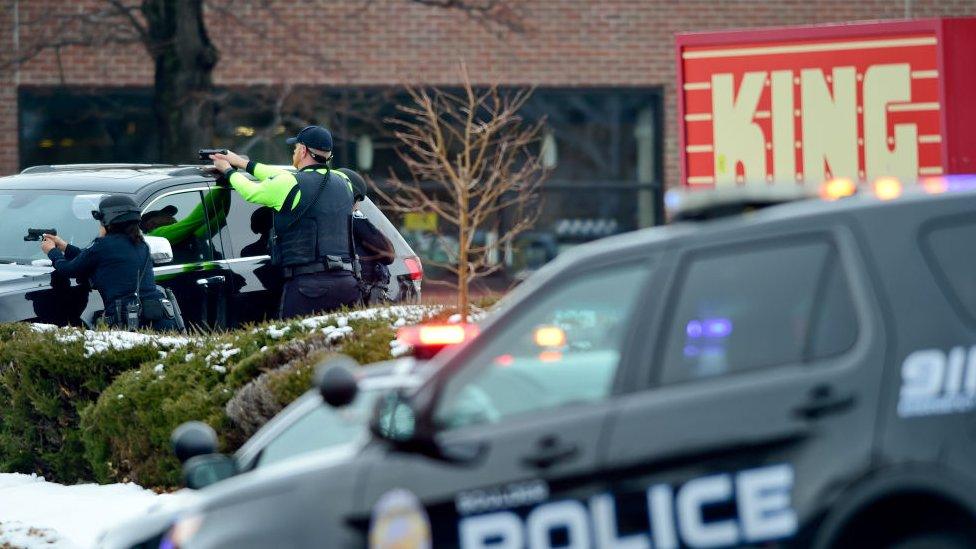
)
(564, 349)
(950, 250)
(66, 126)
(752, 308)
(181, 218)
(248, 226)
(834, 318)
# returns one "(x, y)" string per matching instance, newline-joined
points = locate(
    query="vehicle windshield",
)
(67, 212)
(322, 427)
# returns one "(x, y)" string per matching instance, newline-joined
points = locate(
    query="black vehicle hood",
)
(16, 277)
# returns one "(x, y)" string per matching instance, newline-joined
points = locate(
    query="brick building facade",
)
(562, 43)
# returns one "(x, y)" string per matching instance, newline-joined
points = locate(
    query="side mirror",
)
(160, 249)
(397, 420)
(202, 471)
(192, 439)
(394, 418)
(336, 382)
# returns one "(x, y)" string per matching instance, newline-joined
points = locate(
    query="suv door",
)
(254, 289)
(761, 395)
(533, 396)
(186, 217)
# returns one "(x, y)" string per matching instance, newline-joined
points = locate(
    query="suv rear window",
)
(951, 253)
(753, 307)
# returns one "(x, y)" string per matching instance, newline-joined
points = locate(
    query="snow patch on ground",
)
(36, 513)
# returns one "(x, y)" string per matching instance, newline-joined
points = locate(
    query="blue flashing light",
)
(718, 327)
(709, 328)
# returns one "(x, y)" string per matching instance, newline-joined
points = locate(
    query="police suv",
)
(801, 376)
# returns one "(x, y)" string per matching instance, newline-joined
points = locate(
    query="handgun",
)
(36, 235)
(205, 153)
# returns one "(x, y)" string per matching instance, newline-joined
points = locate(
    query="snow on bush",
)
(101, 341)
(235, 381)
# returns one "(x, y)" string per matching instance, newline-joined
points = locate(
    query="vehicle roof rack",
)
(705, 204)
(175, 169)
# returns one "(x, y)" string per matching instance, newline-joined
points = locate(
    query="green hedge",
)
(97, 405)
(47, 376)
(126, 432)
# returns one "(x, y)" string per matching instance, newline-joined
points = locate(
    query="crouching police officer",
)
(311, 237)
(119, 265)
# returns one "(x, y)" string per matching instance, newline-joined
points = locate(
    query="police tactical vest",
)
(316, 227)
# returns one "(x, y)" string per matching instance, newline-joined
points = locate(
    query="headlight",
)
(182, 532)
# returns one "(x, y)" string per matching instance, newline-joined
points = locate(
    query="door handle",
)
(219, 279)
(550, 452)
(824, 401)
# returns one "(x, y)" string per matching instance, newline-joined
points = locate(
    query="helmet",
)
(116, 208)
(358, 183)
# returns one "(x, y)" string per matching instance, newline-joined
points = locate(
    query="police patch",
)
(399, 521)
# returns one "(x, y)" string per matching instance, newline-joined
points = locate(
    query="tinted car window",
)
(834, 317)
(248, 227)
(68, 213)
(950, 251)
(182, 219)
(746, 308)
(562, 350)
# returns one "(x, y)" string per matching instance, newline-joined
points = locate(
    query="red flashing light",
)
(451, 334)
(429, 339)
(414, 267)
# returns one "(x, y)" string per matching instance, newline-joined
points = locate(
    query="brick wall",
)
(390, 42)
(8, 91)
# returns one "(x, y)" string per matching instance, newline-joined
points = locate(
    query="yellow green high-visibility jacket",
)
(273, 183)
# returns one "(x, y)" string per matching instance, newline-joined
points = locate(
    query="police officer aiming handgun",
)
(119, 265)
(311, 238)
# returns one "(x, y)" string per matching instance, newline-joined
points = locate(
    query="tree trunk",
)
(463, 276)
(185, 59)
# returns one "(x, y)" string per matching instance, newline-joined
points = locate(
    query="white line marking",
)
(811, 48)
(702, 117)
(698, 148)
(925, 74)
(762, 114)
(934, 170)
(700, 179)
(930, 138)
(697, 86)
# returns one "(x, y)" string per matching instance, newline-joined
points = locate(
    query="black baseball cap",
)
(313, 137)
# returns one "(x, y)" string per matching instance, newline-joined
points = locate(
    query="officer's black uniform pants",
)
(318, 293)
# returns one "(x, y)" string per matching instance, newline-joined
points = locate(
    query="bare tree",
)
(471, 157)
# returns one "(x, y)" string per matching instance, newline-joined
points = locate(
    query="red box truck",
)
(804, 104)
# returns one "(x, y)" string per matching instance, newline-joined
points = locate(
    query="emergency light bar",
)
(427, 340)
